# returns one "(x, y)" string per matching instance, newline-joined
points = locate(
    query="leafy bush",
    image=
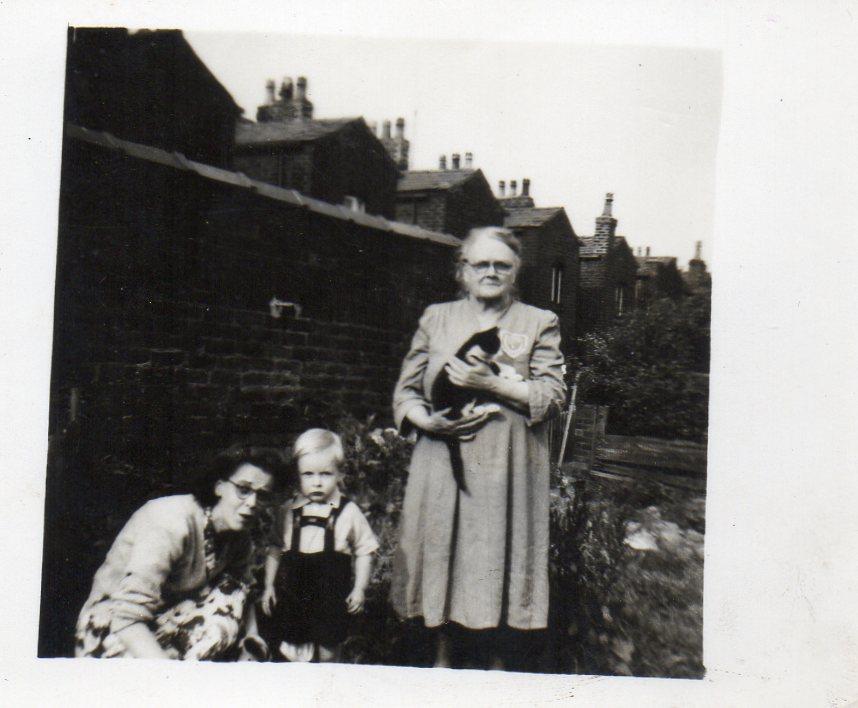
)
(651, 368)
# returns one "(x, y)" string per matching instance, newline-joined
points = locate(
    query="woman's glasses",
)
(243, 491)
(482, 267)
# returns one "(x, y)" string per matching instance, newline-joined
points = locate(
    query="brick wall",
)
(162, 319)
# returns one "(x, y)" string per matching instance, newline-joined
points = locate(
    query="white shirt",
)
(352, 532)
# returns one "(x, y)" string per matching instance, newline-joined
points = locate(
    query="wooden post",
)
(570, 416)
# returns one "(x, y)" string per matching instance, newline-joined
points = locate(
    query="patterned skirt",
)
(209, 625)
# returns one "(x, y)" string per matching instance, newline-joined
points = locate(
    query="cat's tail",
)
(457, 464)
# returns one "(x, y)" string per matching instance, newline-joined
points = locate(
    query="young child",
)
(309, 593)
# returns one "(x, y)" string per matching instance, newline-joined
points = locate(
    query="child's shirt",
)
(352, 532)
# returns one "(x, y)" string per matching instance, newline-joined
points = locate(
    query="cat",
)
(445, 394)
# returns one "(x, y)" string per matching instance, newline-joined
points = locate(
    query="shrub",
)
(649, 368)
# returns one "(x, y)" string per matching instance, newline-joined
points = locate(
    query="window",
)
(556, 284)
(354, 204)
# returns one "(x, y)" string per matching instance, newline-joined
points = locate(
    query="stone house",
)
(657, 277)
(340, 161)
(149, 87)
(550, 266)
(608, 274)
(449, 200)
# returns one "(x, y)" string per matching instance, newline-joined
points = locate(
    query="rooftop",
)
(292, 131)
(178, 161)
(419, 180)
(530, 216)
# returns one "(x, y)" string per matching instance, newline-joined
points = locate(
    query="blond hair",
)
(317, 440)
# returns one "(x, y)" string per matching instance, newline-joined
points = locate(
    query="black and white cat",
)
(445, 394)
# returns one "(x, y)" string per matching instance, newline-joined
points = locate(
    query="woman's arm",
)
(140, 642)
(478, 376)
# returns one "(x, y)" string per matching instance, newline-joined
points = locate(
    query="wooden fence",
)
(590, 451)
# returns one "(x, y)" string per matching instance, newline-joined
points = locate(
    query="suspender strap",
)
(295, 545)
(332, 522)
(297, 516)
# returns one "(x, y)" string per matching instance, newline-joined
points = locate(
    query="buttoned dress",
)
(479, 556)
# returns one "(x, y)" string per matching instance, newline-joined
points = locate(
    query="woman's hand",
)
(268, 600)
(140, 642)
(475, 374)
(465, 428)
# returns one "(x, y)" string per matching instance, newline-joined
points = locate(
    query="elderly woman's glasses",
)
(243, 491)
(482, 267)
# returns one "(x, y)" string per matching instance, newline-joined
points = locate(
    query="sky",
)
(579, 121)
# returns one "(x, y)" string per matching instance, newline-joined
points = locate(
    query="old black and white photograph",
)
(387, 368)
(445, 355)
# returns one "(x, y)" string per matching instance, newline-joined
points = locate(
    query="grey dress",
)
(479, 558)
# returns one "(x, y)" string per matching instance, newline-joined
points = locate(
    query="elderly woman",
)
(175, 581)
(476, 554)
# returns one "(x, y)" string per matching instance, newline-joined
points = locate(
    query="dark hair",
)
(224, 464)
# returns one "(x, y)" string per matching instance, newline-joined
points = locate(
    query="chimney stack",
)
(513, 187)
(442, 162)
(469, 160)
(269, 90)
(609, 200)
(455, 158)
(647, 251)
(286, 89)
(525, 187)
(502, 188)
(400, 127)
(385, 128)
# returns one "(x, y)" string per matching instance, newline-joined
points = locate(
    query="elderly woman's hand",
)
(475, 374)
(464, 428)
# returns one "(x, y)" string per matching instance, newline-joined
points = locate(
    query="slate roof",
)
(293, 131)
(420, 180)
(534, 216)
(178, 161)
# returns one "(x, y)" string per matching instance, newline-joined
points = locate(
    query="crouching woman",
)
(175, 582)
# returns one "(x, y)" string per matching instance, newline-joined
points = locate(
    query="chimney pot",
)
(469, 160)
(386, 129)
(442, 162)
(455, 161)
(698, 249)
(609, 200)
(513, 187)
(502, 188)
(302, 88)
(286, 89)
(525, 187)
(400, 127)
(270, 87)
(647, 251)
